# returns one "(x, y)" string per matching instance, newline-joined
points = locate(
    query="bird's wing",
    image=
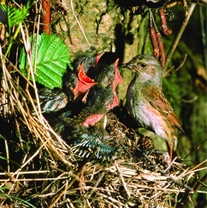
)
(157, 99)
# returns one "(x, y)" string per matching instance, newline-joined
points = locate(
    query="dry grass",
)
(49, 174)
(39, 169)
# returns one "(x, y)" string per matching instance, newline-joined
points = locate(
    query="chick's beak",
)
(98, 57)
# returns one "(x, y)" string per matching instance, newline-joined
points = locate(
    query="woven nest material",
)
(39, 169)
(50, 173)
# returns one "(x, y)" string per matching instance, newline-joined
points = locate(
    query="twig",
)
(122, 179)
(196, 149)
(165, 73)
(75, 178)
(96, 185)
(203, 32)
(46, 16)
(79, 24)
(177, 39)
(196, 186)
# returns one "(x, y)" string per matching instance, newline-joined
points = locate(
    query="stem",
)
(79, 24)
(11, 41)
(46, 16)
(177, 39)
(203, 33)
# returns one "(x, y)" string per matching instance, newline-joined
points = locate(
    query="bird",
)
(78, 81)
(52, 100)
(75, 84)
(108, 79)
(101, 98)
(86, 130)
(146, 102)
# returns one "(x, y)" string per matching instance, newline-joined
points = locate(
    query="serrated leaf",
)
(51, 61)
(14, 16)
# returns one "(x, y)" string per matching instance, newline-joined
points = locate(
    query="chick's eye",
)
(90, 63)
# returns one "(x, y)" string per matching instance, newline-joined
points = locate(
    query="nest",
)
(40, 169)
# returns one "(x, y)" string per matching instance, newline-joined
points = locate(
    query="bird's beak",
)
(98, 57)
(128, 66)
(117, 78)
(124, 66)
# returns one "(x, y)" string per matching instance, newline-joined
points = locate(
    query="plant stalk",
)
(177, 38)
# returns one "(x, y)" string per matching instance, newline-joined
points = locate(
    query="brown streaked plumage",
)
(146, 102)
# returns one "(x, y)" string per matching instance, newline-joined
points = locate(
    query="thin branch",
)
(79, 24)
(177, 39)
(46, 16)
(203, 33)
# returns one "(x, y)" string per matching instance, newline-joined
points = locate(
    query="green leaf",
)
(51, 61)
(15, 16)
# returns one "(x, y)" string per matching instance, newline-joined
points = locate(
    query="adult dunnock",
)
(146, 102)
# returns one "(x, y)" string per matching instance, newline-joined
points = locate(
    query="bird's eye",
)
(90, 63)
(143, 64)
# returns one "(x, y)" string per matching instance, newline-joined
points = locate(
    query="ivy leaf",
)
(51, 61)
